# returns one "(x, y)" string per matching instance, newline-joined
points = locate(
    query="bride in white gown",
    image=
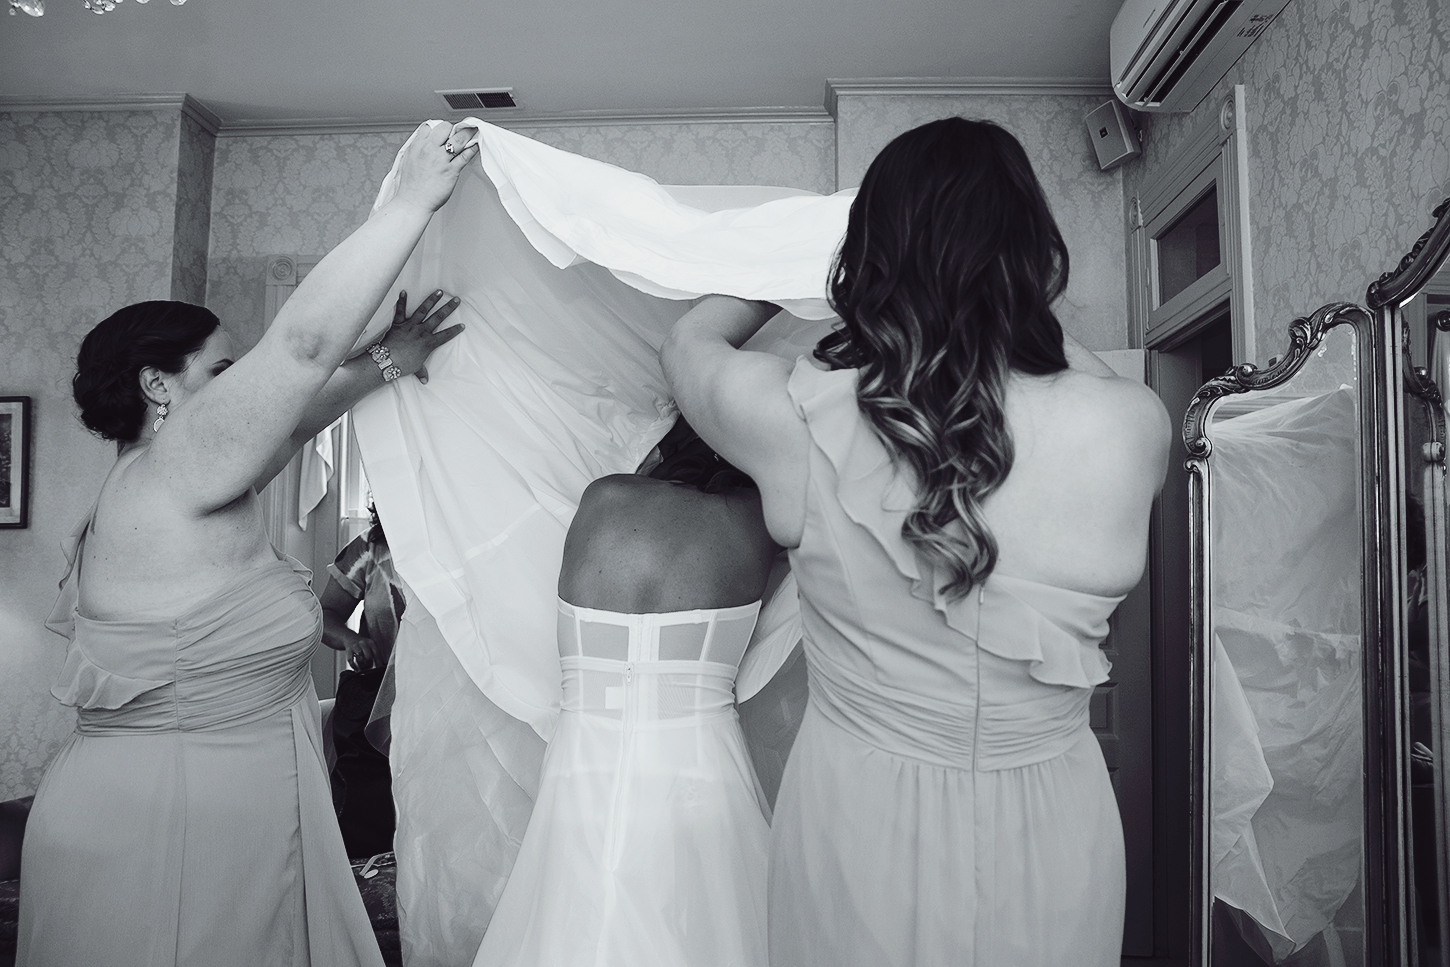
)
(647, 845)
(571, 272)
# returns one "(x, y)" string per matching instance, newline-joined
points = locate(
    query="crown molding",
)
(262, 127)
(201, 114)
(184, 103)
(837, 88)
(301, 127)
(96, 102)
(744, 115)
(515, 119)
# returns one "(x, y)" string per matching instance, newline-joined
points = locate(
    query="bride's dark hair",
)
(687, 459)
(945, 282)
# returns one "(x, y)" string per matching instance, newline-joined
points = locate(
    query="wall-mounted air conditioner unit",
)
(1167, 54)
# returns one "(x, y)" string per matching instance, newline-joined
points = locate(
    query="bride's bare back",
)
(640, 546)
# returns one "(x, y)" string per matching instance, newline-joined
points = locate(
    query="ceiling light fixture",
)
(36, 8)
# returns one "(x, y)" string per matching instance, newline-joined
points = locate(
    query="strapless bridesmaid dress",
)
(188, 819)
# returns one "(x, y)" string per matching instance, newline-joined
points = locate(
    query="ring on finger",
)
(448, 146)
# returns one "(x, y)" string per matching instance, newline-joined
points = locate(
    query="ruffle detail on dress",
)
(1006, 616)
(1056, 630)
(62, 618)
(84, 684)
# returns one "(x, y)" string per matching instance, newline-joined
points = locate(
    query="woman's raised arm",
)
(219, 440)
(738, 402)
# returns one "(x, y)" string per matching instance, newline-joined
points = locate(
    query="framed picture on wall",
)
(14, 461)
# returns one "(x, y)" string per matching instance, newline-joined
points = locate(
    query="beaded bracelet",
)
(384, 359)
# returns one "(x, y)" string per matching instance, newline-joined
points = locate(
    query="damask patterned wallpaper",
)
(297, 194)
(1086, 201)
(1348, 105)
(302, 194)
(87, 217)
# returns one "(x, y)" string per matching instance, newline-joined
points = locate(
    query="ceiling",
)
(376, 60)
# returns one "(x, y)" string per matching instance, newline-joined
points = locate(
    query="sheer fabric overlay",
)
(465, 774)
(570, 274)
(1287, 747)
(648, 841)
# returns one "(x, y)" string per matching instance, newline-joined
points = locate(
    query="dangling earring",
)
(160, 418)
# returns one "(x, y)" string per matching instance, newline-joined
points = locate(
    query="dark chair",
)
(12, 832)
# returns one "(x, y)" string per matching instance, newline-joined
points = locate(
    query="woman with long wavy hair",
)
(965, 494)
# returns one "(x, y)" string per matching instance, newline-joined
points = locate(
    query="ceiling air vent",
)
(489, 99)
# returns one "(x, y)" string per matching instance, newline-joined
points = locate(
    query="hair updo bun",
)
(107, 385)
(687, 459)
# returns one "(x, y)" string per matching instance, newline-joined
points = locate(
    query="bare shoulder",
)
(638, 545)
(1090, 455)
(636, 508)
(1123, 401)
(146, 553)
(613, 499)
(1107, 417)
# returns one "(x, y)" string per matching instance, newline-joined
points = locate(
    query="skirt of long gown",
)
(883, 861)
(214, 848)
(466, 775)
(661, 863)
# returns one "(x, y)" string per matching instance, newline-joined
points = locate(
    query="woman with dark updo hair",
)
(965, 493)
(188, 819)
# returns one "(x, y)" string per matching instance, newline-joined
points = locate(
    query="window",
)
(1190, 242)
(1190, 248)
(354, 496)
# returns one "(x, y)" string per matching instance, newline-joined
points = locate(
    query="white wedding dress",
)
(647, 846)
(571, 272)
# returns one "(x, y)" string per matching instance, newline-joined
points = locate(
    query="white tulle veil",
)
(570, 272)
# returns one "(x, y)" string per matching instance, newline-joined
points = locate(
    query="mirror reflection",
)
(1424, 664)
(1286, 824)
(1425, 318)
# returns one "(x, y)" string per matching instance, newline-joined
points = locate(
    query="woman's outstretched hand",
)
(429, 170)
(413, 337)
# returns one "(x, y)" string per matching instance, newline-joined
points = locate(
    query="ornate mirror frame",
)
(1389, 385)
(1305, 336)
(1411, 386)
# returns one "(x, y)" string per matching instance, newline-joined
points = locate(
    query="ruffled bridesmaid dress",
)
(945, 804)
(188, 819)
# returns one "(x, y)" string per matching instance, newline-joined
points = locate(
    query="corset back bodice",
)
(241, 654)
(660, 669)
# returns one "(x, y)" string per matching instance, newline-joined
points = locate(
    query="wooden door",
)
(1122, 717)
(1175, 373)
